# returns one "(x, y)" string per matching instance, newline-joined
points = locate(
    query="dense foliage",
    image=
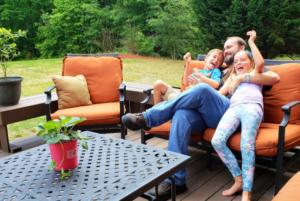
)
(167, 28)
(276, 22)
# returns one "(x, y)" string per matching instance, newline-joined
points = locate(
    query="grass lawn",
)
(38, 74)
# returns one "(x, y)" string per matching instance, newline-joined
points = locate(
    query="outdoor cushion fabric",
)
(103, 75)
(96, 114)
(290, 190)
(286, 91)
(164, 129)
(266, 141)
(71, 91)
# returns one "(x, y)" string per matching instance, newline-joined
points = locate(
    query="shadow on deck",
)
(202, 184)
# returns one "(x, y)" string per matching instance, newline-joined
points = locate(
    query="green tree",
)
(71, 28)
(25, 15)
(173, 26)
(129, 18)
(276, 22)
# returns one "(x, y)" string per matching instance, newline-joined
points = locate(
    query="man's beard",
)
(229, 60)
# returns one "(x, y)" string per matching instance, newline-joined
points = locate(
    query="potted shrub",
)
(10, 87)
(63, 142)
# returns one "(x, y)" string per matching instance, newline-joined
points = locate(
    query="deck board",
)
(218, 196)
(202, 183)
(261, 185)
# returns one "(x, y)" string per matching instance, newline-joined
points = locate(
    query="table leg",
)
(173, 188)
(4, 138)
(156, 192)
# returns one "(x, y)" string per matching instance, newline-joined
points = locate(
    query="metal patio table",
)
(112, 169)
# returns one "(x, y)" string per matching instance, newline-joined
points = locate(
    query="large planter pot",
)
(10, 91)
(65, 155)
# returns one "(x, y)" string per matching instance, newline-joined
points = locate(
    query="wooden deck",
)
(202, 184)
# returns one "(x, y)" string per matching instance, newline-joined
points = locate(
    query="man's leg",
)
(208, 102)
(183, 124)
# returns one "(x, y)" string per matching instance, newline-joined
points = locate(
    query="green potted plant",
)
(63, 142)
(10, 87)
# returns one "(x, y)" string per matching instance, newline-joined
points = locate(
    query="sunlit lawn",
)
(38, 74)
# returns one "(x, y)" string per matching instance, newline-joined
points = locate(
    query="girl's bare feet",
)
(246, 196)
(237, 186)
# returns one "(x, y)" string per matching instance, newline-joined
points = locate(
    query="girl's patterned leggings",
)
(250, 116)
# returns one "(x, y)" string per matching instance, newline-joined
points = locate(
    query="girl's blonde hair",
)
(233, 72)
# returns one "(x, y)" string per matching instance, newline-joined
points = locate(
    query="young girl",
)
(246, 107)
(210, 75)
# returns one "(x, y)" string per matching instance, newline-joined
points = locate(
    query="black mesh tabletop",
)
(112, 169)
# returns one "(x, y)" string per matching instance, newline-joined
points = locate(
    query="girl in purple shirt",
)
(246, 108)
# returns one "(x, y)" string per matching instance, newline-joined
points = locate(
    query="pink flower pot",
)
(66, 157)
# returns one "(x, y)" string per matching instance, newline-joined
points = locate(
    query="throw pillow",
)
(71, 91)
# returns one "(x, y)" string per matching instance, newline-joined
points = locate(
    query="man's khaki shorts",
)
(169, 91)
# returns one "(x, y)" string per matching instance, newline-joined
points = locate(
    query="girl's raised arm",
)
(258, 59)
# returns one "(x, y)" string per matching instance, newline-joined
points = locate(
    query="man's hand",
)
(236, 81)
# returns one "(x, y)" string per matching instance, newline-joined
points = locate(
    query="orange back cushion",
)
(194, 64)
(103, 75)
(286, 91)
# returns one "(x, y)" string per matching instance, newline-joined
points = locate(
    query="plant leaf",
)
(51, 166)
(53, 140)
(40, 127)
(57, 121)
(62, 117)
(46, 137)
(63, 137)
(76, 120)
(52, 133)
(79, 135)
(84, 145)
(63, 174)
(49, 125)
(65, 121)
(74, 134)
(40, 132)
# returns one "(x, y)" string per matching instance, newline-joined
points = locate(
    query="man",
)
(194, 110)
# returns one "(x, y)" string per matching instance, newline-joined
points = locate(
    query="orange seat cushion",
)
(266, 141)
(103, 75)
(290, 190)
(96, 114)
(286, 91)
(164, 129)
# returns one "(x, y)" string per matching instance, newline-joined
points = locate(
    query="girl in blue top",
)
(246, 108)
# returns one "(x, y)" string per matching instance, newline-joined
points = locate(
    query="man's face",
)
(231, 47)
